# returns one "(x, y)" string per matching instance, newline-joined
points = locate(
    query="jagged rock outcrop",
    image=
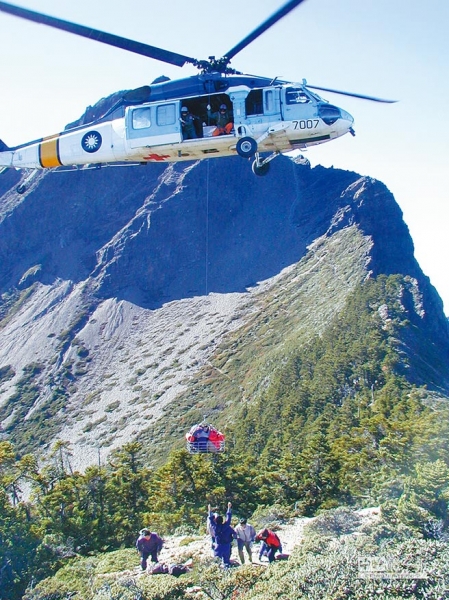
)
(119, 284)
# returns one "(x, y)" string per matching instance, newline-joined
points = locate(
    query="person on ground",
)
(271, 541)
(148, 544)
(208, 526)
(246, 535)
(223, 533)
(263, 551)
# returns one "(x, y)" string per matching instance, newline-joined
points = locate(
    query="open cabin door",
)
(153, 124)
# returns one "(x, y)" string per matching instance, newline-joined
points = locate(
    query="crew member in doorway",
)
(223, 119)
(188, 124)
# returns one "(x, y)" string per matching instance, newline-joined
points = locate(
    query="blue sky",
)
(395, 49)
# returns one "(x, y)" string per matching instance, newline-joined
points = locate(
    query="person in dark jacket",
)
(148, 544)
(208, 529)
(189, 131)
(223, 533)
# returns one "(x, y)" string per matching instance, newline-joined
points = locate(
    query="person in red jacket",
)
(271, 541)
(216, 440)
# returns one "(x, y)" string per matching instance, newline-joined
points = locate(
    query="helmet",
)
(184, 109)
(144, 531)
(223, 107)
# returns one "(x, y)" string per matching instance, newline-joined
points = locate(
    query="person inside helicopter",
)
(188, 124)
(223, 119)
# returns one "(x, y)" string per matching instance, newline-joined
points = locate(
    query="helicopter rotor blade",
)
(284, 10)
(99, 36)
(353, 95)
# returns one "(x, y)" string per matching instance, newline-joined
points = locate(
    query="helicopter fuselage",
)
(276, 117)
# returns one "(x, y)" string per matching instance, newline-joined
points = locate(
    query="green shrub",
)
(423, 504)
(50, 589)
(219, 584)
(119, 560)
(163, 587)
(335, 522)
(271, 517)
(80, 576)
(337, 569)
(6, 372)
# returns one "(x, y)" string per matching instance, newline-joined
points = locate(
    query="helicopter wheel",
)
(261, 169)
(21, 189)
(246, 147)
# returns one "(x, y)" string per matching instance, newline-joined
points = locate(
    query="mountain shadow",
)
(158, 233)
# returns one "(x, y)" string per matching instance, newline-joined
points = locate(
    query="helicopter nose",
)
(346, 116)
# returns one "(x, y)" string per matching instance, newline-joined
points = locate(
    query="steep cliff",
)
(120, 285)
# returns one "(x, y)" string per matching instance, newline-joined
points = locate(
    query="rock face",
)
(118, 284)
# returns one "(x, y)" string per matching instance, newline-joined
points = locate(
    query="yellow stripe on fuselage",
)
(49, 152)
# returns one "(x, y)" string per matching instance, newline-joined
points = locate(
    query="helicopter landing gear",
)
(246, 147)
(260, 170)
(23, 185)
(261, 166)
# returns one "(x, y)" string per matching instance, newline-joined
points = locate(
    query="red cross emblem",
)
(156, 157)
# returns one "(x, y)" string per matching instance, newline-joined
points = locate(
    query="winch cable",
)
(207, 225)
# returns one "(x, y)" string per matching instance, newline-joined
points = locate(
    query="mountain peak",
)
(123, 283)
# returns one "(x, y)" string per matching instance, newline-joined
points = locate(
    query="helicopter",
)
(266, 116)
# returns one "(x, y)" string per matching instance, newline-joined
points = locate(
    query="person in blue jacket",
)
(223, 533)
(148, 544)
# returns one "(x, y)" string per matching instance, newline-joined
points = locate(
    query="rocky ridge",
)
(125, 283)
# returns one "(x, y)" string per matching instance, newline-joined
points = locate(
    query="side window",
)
(166, 114)
(141, 118)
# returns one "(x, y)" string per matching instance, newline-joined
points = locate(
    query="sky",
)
(395, 49)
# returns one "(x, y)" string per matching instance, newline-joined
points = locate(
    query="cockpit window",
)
(296, 96)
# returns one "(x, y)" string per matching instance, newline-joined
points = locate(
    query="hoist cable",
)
(207, 227)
